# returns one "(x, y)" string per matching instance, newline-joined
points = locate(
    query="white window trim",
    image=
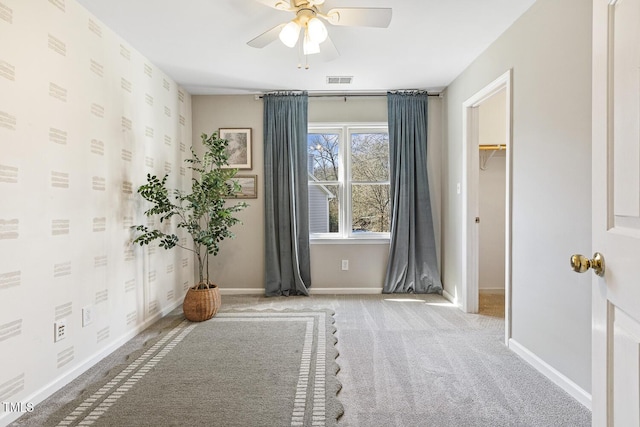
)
(348, 241)
(346, 235)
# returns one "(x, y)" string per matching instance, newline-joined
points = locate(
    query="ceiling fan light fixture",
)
(309, 47)
(290, 33)
(317, 30)
(307, 32)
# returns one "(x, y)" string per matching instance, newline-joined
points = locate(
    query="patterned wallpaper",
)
(83, 118)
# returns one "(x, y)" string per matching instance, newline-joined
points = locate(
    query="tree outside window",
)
(348, 181)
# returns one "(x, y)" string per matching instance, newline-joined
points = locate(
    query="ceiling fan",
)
(307, 26)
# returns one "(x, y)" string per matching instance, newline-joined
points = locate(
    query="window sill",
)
(349, 241)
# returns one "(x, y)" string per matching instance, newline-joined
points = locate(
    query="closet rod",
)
(493, 147)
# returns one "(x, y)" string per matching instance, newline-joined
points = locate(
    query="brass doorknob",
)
(581, 263)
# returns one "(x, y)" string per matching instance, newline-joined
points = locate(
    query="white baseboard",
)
(551, 373)
(345, 291)
(312, 291)
(241, 291)
(46, 391)
(453, 300)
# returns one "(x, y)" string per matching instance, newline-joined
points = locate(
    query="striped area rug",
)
(244, 368)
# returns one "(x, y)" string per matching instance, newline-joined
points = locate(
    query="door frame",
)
(470, 175)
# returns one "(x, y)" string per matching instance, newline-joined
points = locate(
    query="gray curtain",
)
(287, 260)
(413, 266)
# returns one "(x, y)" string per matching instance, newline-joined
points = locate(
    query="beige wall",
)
(83, 118)
(240, 265)
(549, 50)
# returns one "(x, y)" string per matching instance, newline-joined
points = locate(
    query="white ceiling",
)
(201, 44)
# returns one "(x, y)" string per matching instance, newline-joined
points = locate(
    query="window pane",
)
(370, 157)
(323, 159)
(370, 208)
(324, 208)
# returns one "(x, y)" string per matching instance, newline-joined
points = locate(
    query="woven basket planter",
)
(201, 304)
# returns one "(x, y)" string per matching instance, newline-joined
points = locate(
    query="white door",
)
(616, 212)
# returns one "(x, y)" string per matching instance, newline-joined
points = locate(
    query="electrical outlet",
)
(59, 330)
(345, 264)
(87, 315)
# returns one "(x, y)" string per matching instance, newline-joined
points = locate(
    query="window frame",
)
(345, 182)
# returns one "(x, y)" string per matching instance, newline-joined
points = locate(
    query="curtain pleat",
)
(287, 259)
(412, 266)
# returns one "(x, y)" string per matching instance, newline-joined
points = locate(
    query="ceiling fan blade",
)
(360, 16)
(276, 4)
(328, 51)
(267, 37)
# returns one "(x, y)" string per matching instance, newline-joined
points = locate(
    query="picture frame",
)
(239, 148)
(248, 187)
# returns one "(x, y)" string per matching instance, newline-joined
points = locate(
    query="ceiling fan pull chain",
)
(300, 56)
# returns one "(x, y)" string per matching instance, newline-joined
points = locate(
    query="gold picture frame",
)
(248, 187)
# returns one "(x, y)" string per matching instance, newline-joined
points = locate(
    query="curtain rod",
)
(342, 95)
(351, 95)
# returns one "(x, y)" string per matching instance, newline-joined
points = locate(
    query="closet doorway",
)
(492, 185)
(486, 196)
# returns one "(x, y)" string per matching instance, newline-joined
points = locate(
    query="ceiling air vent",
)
(339, 80)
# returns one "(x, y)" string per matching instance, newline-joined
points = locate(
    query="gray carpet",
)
(416, 360)
(412, 360)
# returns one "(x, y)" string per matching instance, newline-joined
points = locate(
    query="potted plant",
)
(204, 213)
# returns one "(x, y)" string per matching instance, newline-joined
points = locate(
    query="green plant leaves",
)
(204, 212)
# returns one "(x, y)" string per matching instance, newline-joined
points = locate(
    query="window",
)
(348, 181)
